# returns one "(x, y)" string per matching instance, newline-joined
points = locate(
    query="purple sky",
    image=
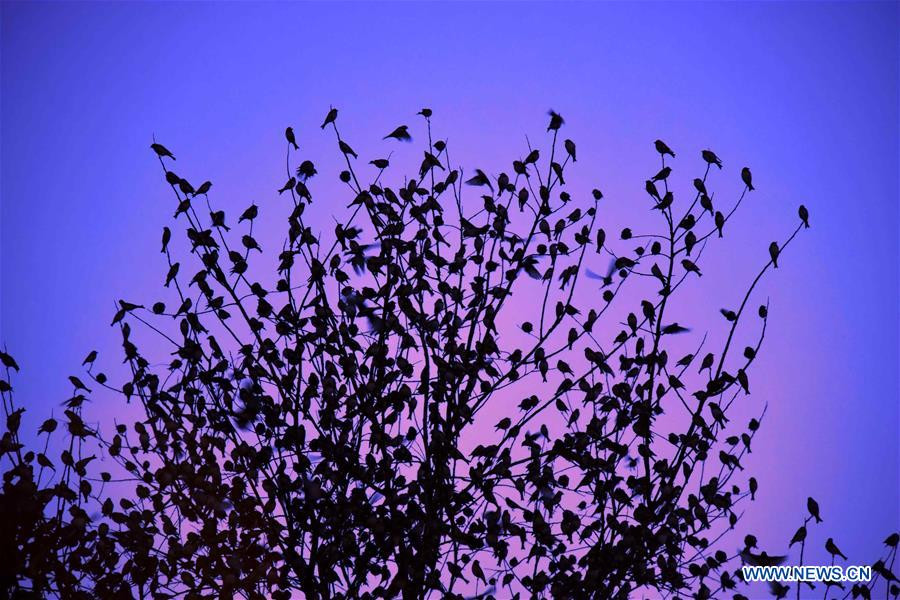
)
(804, 93)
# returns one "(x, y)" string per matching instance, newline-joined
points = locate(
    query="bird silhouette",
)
(773, 253)
(804, 216)
(570, 149)
(833, 550)
(674, 329)
(813, 507)
(289, 134)
(556, 121)
(690, 267)
(401, 134)
(799, 536)
(747, 178)
(710, 157)
(329, 118)
(663, 149)
(162, 151)
(720, 222)
(479, 179)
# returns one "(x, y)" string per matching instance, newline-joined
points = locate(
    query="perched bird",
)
(663, 174)
(161, 151)
(425, 112)
(329, 118)
(380, 163)
(690, 267)
(720, 222)
(799, 536)
(166, 236)
(249, 214)
(651, 189)
(804, 216)
(400, 134)
(813, 507)
(91, 357)
(892, 540)
(773, 252)
(710, 157)
(729, 315)
(663, 149)
(306, 170)
(833, 550)
(747, 178)
(706, 202)
(346, 149)
(289, 134)
(556, 121)
(570, 148)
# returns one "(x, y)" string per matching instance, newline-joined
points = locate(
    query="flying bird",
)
(674, 329)
(480, 179)
(401, 134)
(556, 121)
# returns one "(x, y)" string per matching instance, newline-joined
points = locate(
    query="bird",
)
(306, 170)
(401, 134)
(329, 118)
(799, 536)
(747, 178)
(346, 149)
(289, 134)
(606, 279)
(249, 214)
(166, 236)
(479, 179)
(674, 329)
(804, 216)
(663, 174)
(380, 163)
(773, 252)
(710, 157)
(833, 550)
(690, 267)
(663, 149)
(813, 507)
(556, 121)
(570, 149)
(90, 357)
(892, 540)
(762, 559)
(729, 315)
(720, 222)
(161, 151)
(651, 189)
(425, 112)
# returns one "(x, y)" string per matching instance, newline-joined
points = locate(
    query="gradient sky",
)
(804, 93)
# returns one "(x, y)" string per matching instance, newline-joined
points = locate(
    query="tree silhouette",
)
(320, 428)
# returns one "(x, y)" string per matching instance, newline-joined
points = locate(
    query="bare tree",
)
(321, 429)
